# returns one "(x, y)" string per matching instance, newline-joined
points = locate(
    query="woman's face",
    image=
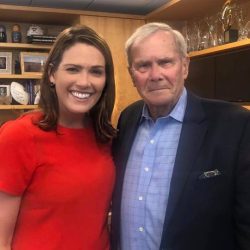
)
(79, 82)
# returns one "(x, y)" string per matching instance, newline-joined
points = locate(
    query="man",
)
(183, 162)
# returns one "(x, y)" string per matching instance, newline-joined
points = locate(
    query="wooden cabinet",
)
(232, 81)
(201, 77)
(224, 76)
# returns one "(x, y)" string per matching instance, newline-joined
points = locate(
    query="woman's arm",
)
(9, 208)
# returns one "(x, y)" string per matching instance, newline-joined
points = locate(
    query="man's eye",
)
(165, 63)
(143, 67)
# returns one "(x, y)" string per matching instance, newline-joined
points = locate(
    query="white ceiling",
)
(138, 7)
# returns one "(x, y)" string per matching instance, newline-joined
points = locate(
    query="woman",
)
(56, 172)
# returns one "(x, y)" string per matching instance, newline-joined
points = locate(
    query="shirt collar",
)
(177, 112)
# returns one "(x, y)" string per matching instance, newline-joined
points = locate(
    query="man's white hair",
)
(147, 29)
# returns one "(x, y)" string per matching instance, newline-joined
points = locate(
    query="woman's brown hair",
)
(102, 111)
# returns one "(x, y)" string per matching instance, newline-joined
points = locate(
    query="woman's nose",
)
(83, 78)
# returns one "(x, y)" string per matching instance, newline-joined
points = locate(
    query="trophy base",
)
(230, 36)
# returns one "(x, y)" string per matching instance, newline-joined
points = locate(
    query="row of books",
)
(41, 39)
(33, 91)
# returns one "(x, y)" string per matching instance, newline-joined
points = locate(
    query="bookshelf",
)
(21, 46)
(11, 111)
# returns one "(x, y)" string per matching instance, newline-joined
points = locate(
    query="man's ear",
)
(131, 73)
(186, 61)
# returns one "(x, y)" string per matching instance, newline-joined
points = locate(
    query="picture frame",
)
(4, 90)
(32, 62)
(5, 95)
(5, 62)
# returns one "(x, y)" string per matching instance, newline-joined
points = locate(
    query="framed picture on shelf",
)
(5, 96)
(5, 62)
(32, 62)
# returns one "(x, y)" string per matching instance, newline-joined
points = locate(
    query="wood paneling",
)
(14, 13)
(116, 31)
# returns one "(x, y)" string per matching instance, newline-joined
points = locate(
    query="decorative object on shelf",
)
(5, 62)
(17, 67)
(244, 32)
(32, 62)
(16, 34)
(247, 28)
(35, 30)
(3, 35)
(18, 93)
(37, 97)
(5, 96)
(41, 39)
(230, 34)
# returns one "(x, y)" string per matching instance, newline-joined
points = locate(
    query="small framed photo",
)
(32, 62)
(5, 96)
(5, 62)
(4, 90)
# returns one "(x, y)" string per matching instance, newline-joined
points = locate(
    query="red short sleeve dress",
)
(65, 180)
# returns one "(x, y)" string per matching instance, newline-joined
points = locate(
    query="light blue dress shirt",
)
(147, 178)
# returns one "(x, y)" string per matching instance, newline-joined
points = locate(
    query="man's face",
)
(158, 72)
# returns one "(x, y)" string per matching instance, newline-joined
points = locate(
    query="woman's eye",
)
(72, 70)
(97, 72)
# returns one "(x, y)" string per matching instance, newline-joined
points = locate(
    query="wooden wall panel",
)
(116, 31)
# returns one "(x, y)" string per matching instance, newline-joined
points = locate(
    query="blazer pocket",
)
(209, 174)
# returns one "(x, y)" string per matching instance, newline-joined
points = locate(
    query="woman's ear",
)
(51, 78)
(51, 74)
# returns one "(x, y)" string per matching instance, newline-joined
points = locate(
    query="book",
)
(41, 39)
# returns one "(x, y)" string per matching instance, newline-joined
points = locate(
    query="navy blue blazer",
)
(209, 200)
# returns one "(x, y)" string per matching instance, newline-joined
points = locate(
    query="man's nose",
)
(155, 72)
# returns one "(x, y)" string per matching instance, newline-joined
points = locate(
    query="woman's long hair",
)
(101, 113)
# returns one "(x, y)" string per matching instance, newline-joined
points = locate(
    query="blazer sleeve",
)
(242, 207)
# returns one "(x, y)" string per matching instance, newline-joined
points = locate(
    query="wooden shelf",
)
(246, 106)
(185, 9)
(21, 76)
(14, 107)
(220, 49)
(180, 10)
(29, 46)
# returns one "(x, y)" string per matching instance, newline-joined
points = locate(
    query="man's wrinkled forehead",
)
(145, 37)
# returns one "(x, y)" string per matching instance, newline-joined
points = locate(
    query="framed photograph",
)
(4, 90)
(5, 62)
(5, 96)
(32, 62)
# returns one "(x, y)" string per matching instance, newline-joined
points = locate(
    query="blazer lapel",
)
(121, 147)
(127, 131)
(192, 134)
